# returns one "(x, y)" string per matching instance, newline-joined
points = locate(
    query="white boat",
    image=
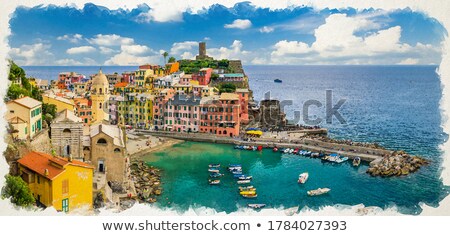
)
(214, 165)
(340, 159)
(214, 182)
(356, 161)
(246, 188)
(318, 191)
(291, 151)
(244, 177)
(256, 206)
(245, 181)
(249, 195)
(303, 177)
(286, 150)
(214, 170)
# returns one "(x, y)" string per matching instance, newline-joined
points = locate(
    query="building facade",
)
(67, 134)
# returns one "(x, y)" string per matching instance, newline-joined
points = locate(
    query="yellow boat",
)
(248, 192)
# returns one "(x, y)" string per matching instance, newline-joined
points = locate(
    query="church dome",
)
(100, 80)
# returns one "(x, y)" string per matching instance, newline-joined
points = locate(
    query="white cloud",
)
(182, 47)
(82, 49)
(134, 55)
(335, 44)
(187, 55)
(239, 24)
(68, 62)
(266, 29)
(74, 38)
(32, 54)
(110, 40)
(106, 50)
(235, 51)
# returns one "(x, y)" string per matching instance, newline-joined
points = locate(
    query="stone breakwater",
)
(399, 163)
(147, 181)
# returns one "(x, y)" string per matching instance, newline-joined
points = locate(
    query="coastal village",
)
(76, 141)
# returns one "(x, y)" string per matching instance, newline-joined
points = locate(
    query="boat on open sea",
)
(303, 177)
(214, 165)
(214, 181)
(215, 175)
(356, 161)
(256, 206)
(214, 170)
(245, 181)
(317, 192)
(278, 81)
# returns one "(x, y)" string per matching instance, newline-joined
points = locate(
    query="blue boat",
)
(236, 172)
(277, 80)
(238, 175)
(234, 165)
(215, 175)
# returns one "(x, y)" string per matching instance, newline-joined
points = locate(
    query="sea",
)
(394, 106)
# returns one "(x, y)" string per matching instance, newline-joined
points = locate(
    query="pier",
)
(365, 153)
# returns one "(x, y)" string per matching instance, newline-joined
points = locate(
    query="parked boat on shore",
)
(303, 177)
(318, 191)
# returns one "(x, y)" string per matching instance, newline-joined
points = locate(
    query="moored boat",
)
(214, 170)
(215, 175)
(256, 206)
(286, 150)
(245, 181)
(214, 165)
(234, 165)
(296, 151)
(275, 149)
(214, 181)
(356, 161)
(249, 195)
(244, 177)
(246, 188)
(303, 177)
(247, 192)
(340, 159)
(317, 192)
(260, 148)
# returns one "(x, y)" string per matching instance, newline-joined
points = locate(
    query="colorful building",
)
(243, 100)
(63, 183)
(29, 111)
(203, 76)
(99, 97)
(83, 110)
(60, 102)
(182, 113)
(220, 115)
(159, 104)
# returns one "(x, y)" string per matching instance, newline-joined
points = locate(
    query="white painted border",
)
(437, 9)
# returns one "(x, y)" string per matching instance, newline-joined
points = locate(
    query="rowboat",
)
(256, 206)
(356, 161)
(214, 165)
(296, 151)
(275, 149)
(318, 191)
(214, 181)
(246, 181)
(303, 177)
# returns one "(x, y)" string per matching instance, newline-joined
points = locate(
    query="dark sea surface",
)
(395, 106)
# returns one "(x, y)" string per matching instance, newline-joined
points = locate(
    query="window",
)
(117, 150)
(65, 186)
(38, 179)
(101, 141)
(66, 131)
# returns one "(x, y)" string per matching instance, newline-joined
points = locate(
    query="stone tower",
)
(202, 49)
(99, 97)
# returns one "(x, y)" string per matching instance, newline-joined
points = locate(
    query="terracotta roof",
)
(27, 102)
(121, 85)
(39, 162)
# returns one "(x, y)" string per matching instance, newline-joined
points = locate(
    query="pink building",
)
(203, 76)
(128, 77)
(159, 104)
(182, 113)
(185, 79)
(220, 115)
(243, 101)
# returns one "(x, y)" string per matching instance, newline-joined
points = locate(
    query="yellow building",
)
(60, 102)
(29, 111)
(99, 97)
(20, 128)
(136, 110)
(186, 89)
(143, 76)
(60, 182)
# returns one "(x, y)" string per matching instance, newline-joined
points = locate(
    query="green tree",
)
(15, 92)
(214, 76)
(18, 191)
(172, 59)
(49, 109)
(15, 71)
(227, 88)
(165, 55)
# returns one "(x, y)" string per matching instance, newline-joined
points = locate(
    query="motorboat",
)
(303, 177)
(244, 181)
(256, 206)
(214, 170)
(214, 181)
(275, 149)
(214, 165)
(238, 175)
(234, 165)
(318, 191)
(286, 150)
(215, 175)
(246, 188)
(307, 153)
(248, 192)
(296, 151)
(244, 177)
(291, 151)
(341, 159)
(356, 161)
(237, 168)
(250, 195)
(259, 148)
(278, 81)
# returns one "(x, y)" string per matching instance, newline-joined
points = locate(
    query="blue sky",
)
(95, 35)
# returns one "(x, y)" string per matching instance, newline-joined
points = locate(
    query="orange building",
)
(220, 115)
(83, 110)
(172, 67)
(243, 100)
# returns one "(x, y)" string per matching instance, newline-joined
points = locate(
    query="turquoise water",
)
(185, 181)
